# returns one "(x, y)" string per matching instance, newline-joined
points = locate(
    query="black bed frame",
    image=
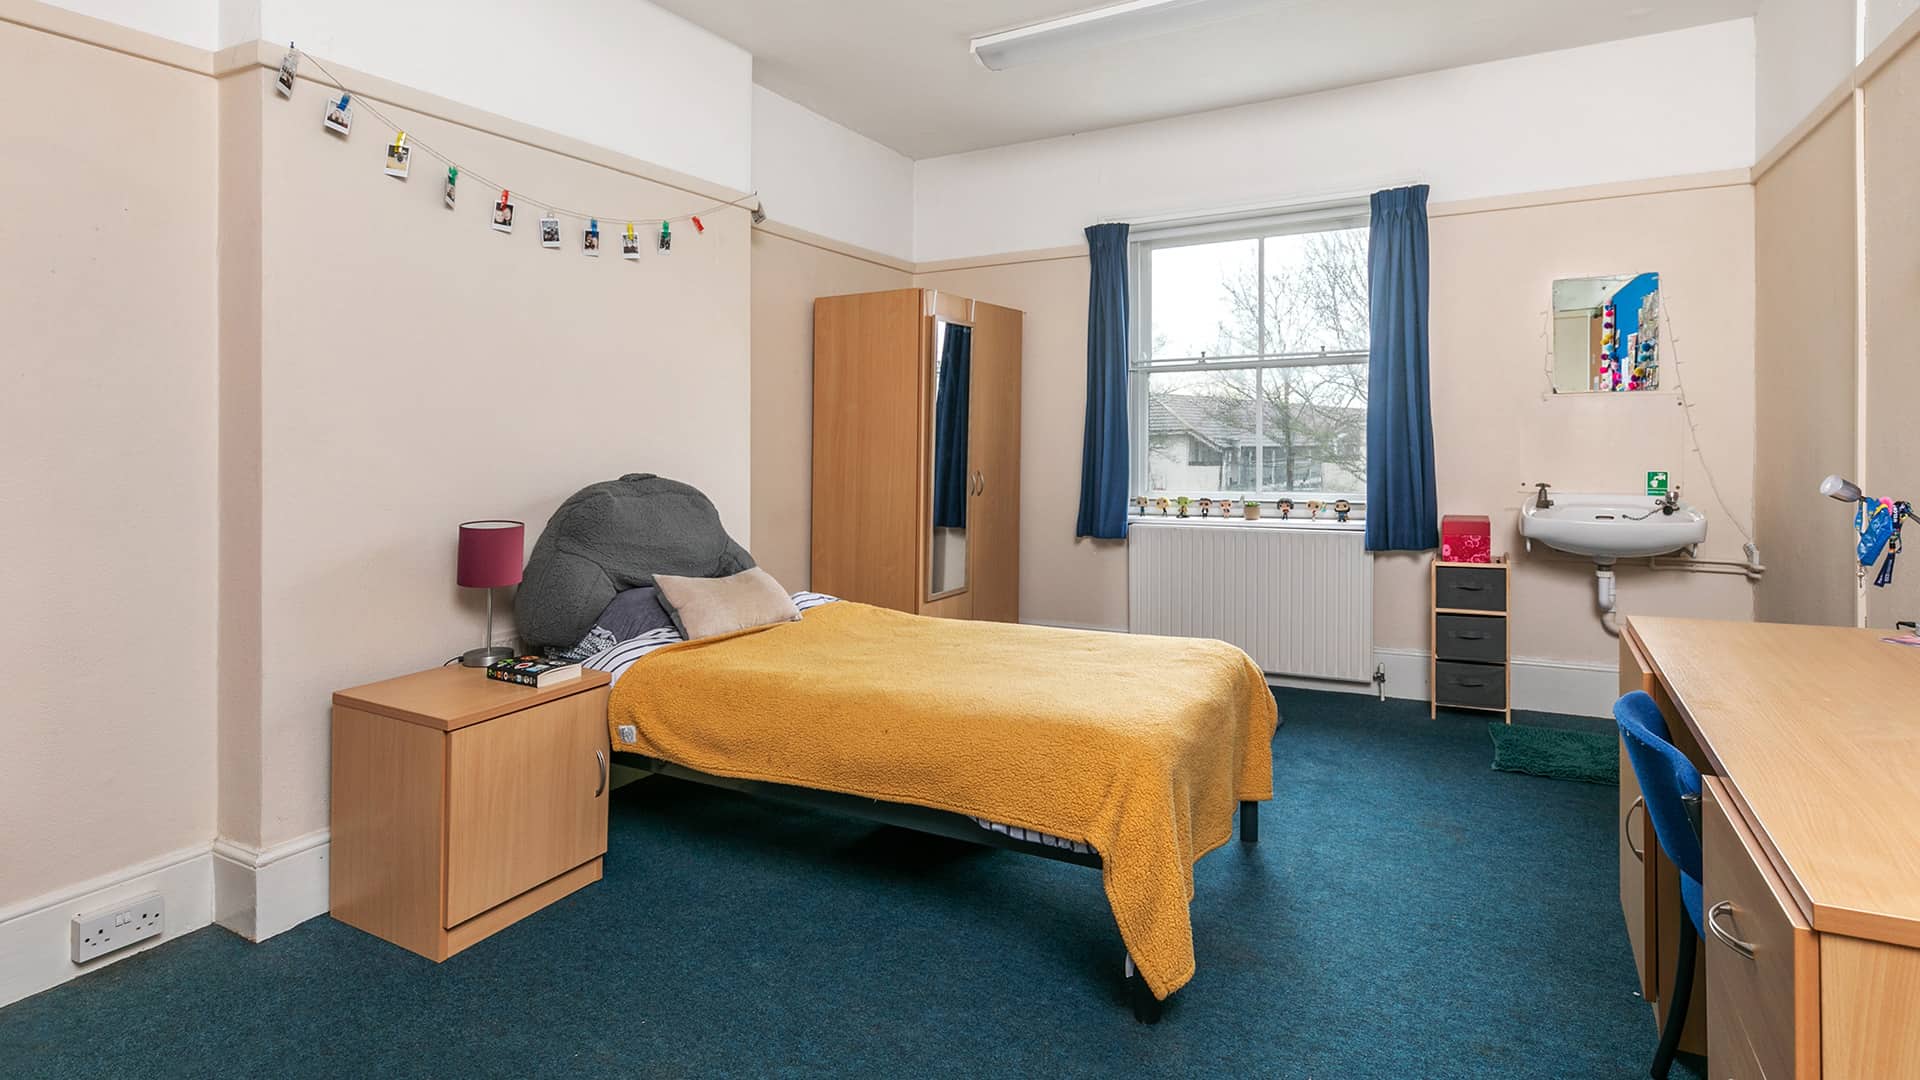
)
(1146, 1008)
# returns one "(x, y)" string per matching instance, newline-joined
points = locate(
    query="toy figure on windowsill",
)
(1183, 502)
(1206, 507)
(1285, 506)
(1341, 508)
(1161, 504)
(1313, 509)
(1140, 505)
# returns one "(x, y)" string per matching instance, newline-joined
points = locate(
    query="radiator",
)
(1299, 600)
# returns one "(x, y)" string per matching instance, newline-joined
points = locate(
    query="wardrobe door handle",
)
(1744, 948)
(980, 483)
(1626, 827)
(601, 757)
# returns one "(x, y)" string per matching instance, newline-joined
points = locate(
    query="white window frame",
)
(1143, 241)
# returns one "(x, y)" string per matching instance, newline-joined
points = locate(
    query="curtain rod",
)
(1303, 203)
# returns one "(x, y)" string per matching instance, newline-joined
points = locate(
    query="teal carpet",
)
(1591, 757)
(1408, 913)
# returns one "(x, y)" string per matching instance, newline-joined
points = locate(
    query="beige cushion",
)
(704, 607)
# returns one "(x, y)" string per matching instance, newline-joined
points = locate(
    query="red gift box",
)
(1466, 538)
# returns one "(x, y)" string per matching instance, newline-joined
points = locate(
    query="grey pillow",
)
(707, 607)
(632, 613)
(614, 536)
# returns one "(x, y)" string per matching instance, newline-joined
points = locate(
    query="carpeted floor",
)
(1408, 913)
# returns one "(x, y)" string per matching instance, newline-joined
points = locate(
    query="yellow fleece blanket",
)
(1140, 747)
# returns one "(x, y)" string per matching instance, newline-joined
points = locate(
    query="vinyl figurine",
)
(1140, 504)
(1183, 502)
(1341, 508)
(1162, 503)
(1313, 509)
(1206, 507)
(1226, 507)
(1285, 506)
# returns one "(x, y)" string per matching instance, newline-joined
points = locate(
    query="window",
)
(1249, 373)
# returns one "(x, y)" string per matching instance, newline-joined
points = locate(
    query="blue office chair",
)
(1671, 786)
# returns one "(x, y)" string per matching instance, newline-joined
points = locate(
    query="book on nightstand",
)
(535, 671)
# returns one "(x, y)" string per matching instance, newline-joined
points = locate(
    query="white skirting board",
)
(254, 893)
(35, 945)
(261, 892)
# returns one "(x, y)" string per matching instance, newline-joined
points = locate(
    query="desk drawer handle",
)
(1713, 927)
(1469, 635)
(1626, 827)
(601, 757)
(1470, 684)
(1468, 586)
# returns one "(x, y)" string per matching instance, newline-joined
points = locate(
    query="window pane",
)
(1206, 300)
(1316, 428)
(1316, 291)
(1200, 433)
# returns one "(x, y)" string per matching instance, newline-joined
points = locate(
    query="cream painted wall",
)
(108, 430)
(787, 275)
(1495, 428)
(1804, 258)
(1891, 375)
(190, 22)
(1684, 101)
(420, 369)
(816, 175)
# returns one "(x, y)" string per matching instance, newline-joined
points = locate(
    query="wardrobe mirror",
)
(1606, 334)
(951, 356)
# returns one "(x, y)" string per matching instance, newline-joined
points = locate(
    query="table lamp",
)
(491, 555)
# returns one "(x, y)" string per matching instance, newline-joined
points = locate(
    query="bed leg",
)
(1249, 822)
(1147, 1009)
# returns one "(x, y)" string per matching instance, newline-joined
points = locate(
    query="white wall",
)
(190, 22)
(1881, 18)
(1679, 103)
(816, 175)
(1803, 49)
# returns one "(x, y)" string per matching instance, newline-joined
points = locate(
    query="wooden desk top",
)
(1816, 731)
(450, 698)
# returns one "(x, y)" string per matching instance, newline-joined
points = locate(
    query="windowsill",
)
(1269, 521)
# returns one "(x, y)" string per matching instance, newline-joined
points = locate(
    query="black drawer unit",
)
(1470, 587)
(1476, 686)
(1479, 638)
(1470, 647)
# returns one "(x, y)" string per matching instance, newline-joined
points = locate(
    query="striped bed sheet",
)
(616, 659)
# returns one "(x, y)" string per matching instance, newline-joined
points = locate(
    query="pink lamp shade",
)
(491, 553)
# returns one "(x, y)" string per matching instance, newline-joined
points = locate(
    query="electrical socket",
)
(110, 929)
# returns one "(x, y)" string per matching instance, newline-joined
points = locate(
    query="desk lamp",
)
(491, 555)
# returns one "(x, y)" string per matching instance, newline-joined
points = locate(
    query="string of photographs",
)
(338, 119)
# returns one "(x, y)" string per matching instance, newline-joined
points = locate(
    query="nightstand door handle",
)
(601, 757)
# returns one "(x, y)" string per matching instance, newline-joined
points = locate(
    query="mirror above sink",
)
(1608, 527)
(1606, 334)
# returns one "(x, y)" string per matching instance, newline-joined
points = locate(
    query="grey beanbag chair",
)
(613, 536)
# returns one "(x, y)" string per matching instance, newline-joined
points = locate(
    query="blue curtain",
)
(950, 429)
(1401, 510)
(1103, 450)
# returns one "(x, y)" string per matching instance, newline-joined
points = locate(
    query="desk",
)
(1810, 738)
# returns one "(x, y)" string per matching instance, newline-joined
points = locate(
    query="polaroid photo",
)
(549, 231)
(287, 65)
(503, 217)
(590, 240)
(399, 159)
(666, 241)
(339, 118)
(448, 193)
(630, 245)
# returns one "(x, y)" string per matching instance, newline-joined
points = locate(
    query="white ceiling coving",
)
(899, 71)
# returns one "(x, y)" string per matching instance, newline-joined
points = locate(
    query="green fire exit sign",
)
(1656, 483)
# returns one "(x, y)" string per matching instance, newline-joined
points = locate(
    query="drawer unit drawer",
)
(1471, 587)
(1761, 955)
(1480, 638)
(1480, 685)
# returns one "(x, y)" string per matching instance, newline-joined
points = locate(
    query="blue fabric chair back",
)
(1666, 778)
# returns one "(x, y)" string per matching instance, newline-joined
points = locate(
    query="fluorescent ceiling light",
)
(1069, 34)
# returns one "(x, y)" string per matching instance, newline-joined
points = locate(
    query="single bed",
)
(1124, 753)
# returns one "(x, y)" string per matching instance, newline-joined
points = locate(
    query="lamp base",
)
(483, 656)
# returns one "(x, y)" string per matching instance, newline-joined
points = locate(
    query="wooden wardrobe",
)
(916, 453)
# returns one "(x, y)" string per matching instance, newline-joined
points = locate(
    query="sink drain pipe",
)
(1603, 592)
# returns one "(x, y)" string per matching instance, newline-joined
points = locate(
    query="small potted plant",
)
(1251, 508)
(1183, 502)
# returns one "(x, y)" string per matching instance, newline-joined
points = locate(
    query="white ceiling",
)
(898, 71)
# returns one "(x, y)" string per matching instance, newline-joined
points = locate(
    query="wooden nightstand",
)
(462, 804)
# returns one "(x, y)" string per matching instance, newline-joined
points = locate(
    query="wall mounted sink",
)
(1608, 527)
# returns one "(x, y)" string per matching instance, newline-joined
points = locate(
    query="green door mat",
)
(1563, 755)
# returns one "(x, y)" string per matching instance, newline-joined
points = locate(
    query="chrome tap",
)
(1670, 502)
(1542, 501)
